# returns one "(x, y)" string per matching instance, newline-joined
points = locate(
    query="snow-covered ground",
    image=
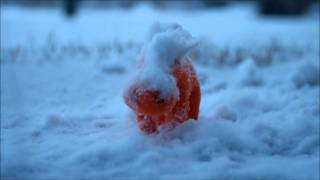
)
(63, 116)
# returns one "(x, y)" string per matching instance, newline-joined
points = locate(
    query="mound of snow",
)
(224, 112)
(306, 74)
(248, 74)
(166, 43)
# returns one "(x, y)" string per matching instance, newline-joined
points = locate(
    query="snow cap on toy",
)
(165, 43)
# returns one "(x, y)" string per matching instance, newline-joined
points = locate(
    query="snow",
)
(165, 43)
(166, 46)
(306, 74)
(63, 115)
(249, 73)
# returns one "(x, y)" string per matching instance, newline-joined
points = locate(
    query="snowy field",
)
(63, 116)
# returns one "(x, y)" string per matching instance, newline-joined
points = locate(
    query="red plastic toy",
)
(153, 111)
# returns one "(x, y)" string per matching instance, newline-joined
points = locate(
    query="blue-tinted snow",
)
(66, 119)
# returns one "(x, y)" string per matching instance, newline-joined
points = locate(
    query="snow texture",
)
(306, 74)
(165, 43)
(249, 73)
(63, 115)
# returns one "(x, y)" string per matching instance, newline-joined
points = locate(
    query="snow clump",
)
(165, 44)
(249, 74)
(306, 74)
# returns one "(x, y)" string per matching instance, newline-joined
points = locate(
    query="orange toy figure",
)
(166, 105)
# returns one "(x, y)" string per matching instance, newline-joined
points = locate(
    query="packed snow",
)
(165, 43)
(63, 115)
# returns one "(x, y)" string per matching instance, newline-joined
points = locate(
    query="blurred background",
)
(266, 7)
(60, 25)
